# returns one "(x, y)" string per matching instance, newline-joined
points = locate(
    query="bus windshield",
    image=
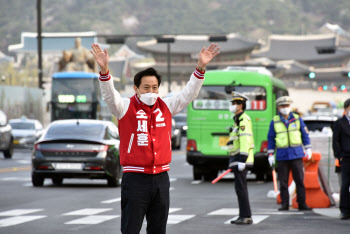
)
(217, 98)
(73, 90)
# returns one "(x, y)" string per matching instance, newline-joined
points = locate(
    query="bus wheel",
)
(211, 175)
(197, 173)
(260, 176)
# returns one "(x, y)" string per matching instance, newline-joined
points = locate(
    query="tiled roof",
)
(302, 48)
(193, 44)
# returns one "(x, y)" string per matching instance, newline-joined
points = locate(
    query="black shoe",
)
(304, 207)
(241, 220)
(283, 208)
(344, 216)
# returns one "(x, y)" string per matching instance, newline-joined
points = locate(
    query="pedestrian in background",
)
(341, 149)
(240, 148)
(287, 135)
(144, 123)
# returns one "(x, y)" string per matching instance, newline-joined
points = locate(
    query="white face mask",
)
(148, 98)
(348, 113)
(285, 111)
(233, 108)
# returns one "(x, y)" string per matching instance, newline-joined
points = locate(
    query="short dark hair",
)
(347, 103)
(147, 72)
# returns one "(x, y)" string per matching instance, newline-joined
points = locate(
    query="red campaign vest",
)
(145, 137)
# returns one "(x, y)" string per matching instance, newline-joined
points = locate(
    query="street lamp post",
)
(39, 38)
(167, 40)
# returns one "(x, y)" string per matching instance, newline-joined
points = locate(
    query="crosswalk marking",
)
(88, 211)
(118, 199)
(175, 219)
(93, 219)
(18, 220)
(256, 219)
(18, 212)
(172, 210)
(225, 211)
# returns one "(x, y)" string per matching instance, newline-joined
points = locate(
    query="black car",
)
(6, 144)
(77, 149)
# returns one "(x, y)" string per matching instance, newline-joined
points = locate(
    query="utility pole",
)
(39, 39)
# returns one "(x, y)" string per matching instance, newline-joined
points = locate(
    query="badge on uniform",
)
(242, 128)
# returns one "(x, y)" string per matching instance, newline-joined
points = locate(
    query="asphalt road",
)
(89, 206)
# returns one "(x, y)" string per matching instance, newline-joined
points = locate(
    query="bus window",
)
(217, 97)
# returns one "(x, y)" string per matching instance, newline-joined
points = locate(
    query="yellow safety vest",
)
(290, 137)
(241, 139)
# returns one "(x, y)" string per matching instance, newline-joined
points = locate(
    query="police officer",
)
(240, 148)
(288, 134)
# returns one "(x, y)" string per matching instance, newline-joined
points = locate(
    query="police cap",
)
(239, 97)
(284, 100)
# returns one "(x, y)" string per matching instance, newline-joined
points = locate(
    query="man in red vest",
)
(144, 123)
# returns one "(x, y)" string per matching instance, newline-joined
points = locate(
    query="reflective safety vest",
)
(241, 140)
(290, 137)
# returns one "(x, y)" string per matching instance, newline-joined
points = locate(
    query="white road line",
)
(24, 161)
(18, 212)
(18, 220)
(173, 179)
(225, 211)
(15, 179)
(256, 219)
(88, 211)
(175, 219)
(93, 219)
(196, 182)
(172, 210)
(118, 199)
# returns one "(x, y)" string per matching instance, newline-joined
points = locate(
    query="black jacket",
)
(341, 138)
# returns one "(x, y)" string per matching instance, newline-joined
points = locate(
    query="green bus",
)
(208, 119)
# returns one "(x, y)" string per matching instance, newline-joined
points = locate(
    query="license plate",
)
(68, 166)
(16, 142)
(223, 140)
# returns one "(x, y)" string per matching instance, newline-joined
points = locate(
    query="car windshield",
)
(75, 131)
(216, 97)
(27, 126)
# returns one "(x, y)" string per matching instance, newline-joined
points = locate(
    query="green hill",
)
(251, 18)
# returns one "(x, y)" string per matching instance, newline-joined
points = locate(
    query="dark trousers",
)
(242, 192)
(297, 168)
(144, 195)
(344, 204)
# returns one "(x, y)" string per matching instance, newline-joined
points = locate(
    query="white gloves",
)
(308, 153)
(271, 159)
(241, 166)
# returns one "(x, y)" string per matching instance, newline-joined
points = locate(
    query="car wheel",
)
(113, 181)
(9, 151)
(37, 180)
(197, 173)
(57, 181)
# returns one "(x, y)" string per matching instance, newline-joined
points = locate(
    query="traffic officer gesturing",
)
(288, 134)
(144, 123)
(240, 148)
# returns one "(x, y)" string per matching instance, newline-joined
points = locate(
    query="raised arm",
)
(101, 57)
(180, 100)
(116, 104)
